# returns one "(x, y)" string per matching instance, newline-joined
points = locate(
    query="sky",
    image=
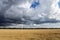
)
(29, 12)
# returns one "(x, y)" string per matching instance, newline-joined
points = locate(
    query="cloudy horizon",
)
(29, 11)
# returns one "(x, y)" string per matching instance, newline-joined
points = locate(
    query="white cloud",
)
(55, 10)
(47, 8)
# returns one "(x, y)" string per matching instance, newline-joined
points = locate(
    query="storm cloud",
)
(28, 12)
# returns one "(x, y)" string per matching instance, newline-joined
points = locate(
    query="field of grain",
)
(31, 34)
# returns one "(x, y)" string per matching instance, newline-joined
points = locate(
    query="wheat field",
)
(29, 34)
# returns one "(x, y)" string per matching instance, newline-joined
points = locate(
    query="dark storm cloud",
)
(18, 11)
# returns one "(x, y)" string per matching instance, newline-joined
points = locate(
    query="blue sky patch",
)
(59, 4)
(34, 4)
